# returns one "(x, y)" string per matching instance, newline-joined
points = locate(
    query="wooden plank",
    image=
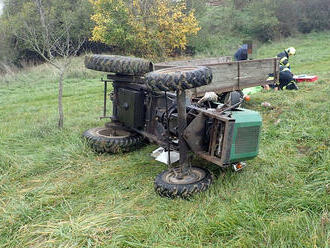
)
(239, 75)
(230, 76)
(193, 62)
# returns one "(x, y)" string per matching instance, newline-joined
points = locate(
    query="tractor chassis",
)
(165, 103)
(184, 133)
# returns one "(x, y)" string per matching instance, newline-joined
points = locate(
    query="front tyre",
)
(198, 180)
(112, 139)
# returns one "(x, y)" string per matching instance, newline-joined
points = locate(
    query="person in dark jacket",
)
(286, 80)
(284, 56)
(241, 53)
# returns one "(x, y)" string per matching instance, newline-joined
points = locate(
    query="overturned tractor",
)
(163, 103)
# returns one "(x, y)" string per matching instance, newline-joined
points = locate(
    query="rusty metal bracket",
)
(125, 78)
(238, 73)
(213, 137)
(222, 123)
(184, 163)
(105, 99)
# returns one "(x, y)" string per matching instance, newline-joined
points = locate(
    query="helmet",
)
(291, 51)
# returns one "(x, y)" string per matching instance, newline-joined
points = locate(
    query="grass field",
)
(55, 192)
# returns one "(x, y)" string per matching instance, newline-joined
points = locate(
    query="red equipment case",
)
(305, 78)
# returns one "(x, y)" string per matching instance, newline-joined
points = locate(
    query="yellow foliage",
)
(143, 27)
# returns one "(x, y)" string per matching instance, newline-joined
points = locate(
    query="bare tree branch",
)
(50, 44)
(45, 32)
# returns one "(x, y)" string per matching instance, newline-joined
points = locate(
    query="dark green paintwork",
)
(245, 118)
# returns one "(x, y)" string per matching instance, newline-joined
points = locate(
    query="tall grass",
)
(55, 192)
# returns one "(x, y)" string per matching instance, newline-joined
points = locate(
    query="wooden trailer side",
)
(235, 75)
(193, 62)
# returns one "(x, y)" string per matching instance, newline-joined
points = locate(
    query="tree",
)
(51, 40)
(16, 13)
(143, 27)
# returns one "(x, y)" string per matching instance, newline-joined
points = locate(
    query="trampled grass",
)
(55, 192)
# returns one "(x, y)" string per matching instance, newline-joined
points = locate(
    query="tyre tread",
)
(118, 64)
(184, 191)
(165, 80)
(101, 144)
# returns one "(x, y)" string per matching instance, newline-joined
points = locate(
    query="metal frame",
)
(228, 125)
(219, 117)
(114, 78)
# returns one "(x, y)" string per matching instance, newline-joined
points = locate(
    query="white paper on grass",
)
(157, 152)
(162, 156)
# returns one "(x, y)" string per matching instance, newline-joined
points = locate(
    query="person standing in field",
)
(241, 53)
(284, 56)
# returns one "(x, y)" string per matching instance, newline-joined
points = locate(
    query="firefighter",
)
(284, 56)
(286, 80)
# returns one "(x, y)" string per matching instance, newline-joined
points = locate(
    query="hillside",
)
(55, 192)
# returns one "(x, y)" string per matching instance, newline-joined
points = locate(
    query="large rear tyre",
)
(167, 185)
(112, 139)
(118, 64)
(178, 78)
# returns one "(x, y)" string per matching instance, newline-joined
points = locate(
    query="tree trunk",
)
(60, 105)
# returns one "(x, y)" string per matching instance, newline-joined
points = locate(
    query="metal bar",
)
(238, 73)
(114, 99)
(128, 85)
(105, 99)
(213, 137)
(125, 78)
(182, 124)
(150, 137)
(226, 143)
(214, 114)
(168, 134)
(210, 158)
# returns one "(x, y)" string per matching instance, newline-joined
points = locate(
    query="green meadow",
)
(56, 192)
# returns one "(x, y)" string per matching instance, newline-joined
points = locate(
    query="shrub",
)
(144, 28)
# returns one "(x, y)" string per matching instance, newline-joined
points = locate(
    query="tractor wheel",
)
(231, 98)
(167, 185)
(178, 78)
(113, 139)
(118, 64)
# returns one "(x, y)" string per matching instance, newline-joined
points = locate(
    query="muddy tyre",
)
(178, 78)
(166, 185)
(103, 139)
(118, 64)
